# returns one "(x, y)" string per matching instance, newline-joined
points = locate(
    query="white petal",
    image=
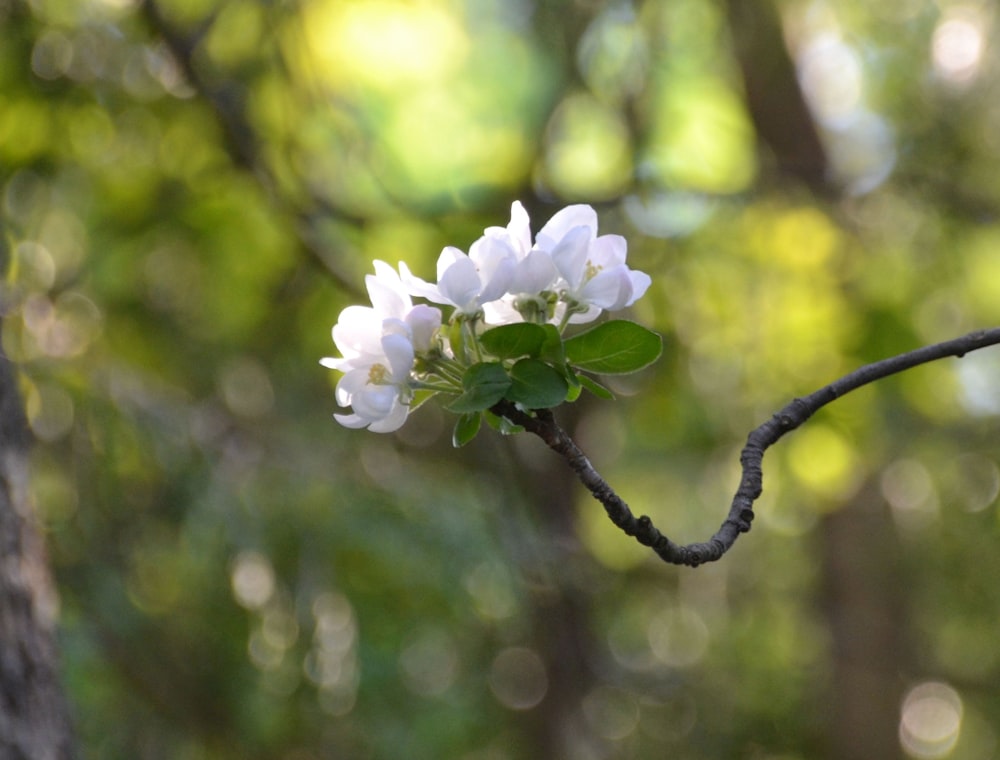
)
(351, 420)
(375, 401)
(423, 321)
(393, 421)
(580, 318)
(358, 331)
(608, 251)
(351, 384)
(609, 289)
(498, 281)
(565, 220)
(449, 255)
(570, 256)
(387, 294)
(520, 227)
(534, 273)
(334, 362)
(501, 312)
(640, 284)
(460, 284)
(399, 353)
(418, 287)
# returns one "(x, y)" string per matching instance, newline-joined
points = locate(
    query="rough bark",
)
(34, 715)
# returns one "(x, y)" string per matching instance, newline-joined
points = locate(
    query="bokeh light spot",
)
(957, 45)
(931, 720)
(908, 488)
(518, 678)
(678, 637)
(612, 712)
(252, 579)
(824, 461)
(429, 663)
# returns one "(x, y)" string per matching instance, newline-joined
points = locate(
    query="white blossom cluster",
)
(568, 274)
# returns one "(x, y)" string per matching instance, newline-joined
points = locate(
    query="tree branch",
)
(795, 413)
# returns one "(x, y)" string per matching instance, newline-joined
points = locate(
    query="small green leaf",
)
(456, 338)
(502, 424)
(536, 385)
(484, 384)
(420, 398)
(596, 388)
(466, 428)
(573, 393)
(614, 348)
(512, 341)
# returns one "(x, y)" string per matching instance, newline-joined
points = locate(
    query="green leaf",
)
(552, 349)
(614, 348)
(536, 385)
(502, 424)
(466, 428)
(596, 388)
(484, 384)
(420, 398)
(512, 341)
(456, 338)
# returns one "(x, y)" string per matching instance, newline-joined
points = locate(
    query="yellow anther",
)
(377, 374)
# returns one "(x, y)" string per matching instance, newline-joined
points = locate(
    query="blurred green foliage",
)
(193, 189)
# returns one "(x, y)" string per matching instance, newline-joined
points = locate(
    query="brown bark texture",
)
(34, 715)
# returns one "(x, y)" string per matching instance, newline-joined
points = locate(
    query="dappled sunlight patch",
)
(381, 44)
(708, 145)
(824, 461)
(606, 546)
(587, 150)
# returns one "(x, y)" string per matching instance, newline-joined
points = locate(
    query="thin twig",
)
(740, 517)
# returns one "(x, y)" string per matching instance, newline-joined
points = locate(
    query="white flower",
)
(379, 393)
(534, 273)
(359, 329)
(468, 281)
(378, 345)
(594, 276)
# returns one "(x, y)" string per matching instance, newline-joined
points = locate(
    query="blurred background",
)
(193, 189)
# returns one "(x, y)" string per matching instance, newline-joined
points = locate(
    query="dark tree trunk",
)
(865, 613)
(560, 609)
(773, 96)
(34, 716)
